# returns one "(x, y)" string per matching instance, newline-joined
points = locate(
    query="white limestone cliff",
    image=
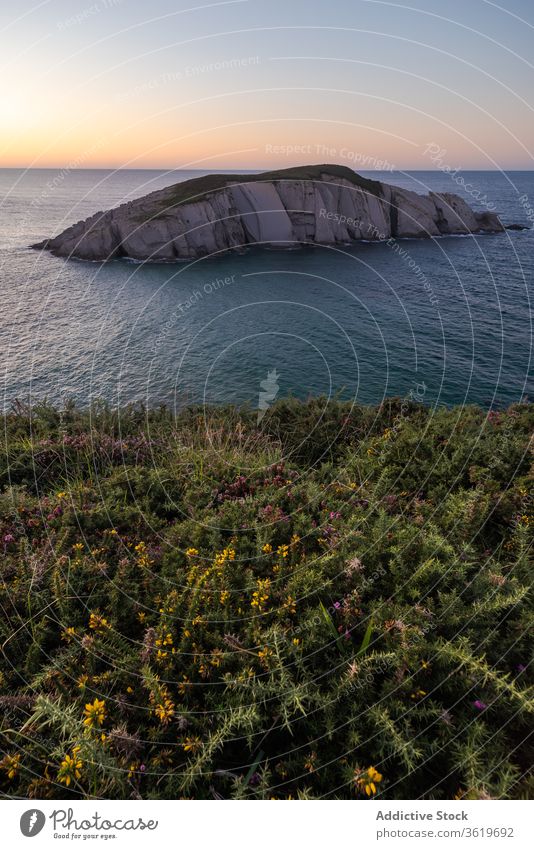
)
(323, 204)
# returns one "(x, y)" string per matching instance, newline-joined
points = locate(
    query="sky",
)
(267, 83)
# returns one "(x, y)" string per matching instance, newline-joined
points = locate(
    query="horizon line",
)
(68, 167)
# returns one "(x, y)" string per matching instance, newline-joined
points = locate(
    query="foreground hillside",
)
(331, 605)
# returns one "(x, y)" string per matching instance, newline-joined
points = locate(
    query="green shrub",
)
(332, 604)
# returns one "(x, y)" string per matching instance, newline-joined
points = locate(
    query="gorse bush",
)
(332, 604)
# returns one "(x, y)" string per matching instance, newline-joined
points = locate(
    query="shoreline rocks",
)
(308, 205)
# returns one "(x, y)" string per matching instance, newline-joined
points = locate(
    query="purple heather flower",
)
(337, 605)
(9, 538)
(142, 768)
(480, 705)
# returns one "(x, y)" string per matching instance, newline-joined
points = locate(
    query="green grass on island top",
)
(331, 604)
(198, 188)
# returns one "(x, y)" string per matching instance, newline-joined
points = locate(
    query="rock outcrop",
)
(319, 204)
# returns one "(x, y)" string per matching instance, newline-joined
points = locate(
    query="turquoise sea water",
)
(450, 317)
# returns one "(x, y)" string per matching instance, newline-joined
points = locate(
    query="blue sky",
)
(121, 83)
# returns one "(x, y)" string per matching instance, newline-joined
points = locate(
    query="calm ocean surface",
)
(359, 321)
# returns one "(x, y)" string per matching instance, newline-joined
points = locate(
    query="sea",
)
(447, 320)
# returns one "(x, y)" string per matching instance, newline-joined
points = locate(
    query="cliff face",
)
(324, 204)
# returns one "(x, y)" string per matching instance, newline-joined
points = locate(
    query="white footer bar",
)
(268, 825)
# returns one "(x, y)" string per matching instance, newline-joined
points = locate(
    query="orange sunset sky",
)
(244, 84)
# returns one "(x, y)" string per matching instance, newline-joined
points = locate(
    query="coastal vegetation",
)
(331, 604)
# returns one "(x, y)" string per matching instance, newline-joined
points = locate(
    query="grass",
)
(199, 188)
(333, 605)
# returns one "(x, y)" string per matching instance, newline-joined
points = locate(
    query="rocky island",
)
(307, 205)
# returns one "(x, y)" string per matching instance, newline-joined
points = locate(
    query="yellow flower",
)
(82, 681)
(296, 641)
(61, 495)
(290, 604)
(164, 711)
(68, 634)
(224, 556)
(261, 596)
(203, 670)
(183, 685)
(70, 768)
(367, 780)
(282, 550)
(98, 622)
(166, 640)
(418, 694)
(267, 548)
(191, 552)
(95, 713)
(11, 764)
(192, 744)
(142, 555)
